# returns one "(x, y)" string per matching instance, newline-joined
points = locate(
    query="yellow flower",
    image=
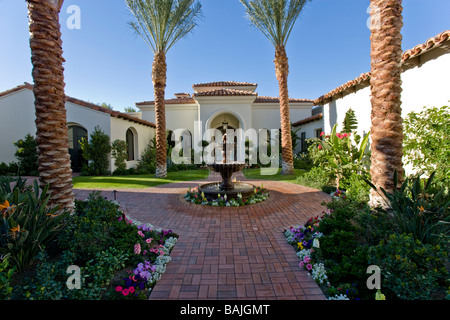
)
(17, 229)
(379, 296)
(300, 245)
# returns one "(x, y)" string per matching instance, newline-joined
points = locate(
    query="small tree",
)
(119, 151)
(27, 155)
(96, 152)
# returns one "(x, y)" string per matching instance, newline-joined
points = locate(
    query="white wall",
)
(267, 115)
(17, 118)
(142, 135)
(427, 84)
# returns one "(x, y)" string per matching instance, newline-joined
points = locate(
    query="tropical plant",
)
(427, 143)
(386, 88)
(350, 122)
(162, 23)
(48, 75)
(27, 155)
(28, 224)
(415, 211)
(119, 151)
(276, 19)
(96, 151)
(341, 155)
(6, 274)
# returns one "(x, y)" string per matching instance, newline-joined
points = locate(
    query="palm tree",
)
(386, 87)
(276, 19)
(161, 23)
(48, 75)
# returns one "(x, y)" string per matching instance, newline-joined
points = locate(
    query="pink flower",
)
(320, 147)
(301, 264)
(125, 292)
(141, 234)
(322, 133)
(131, 289)
(137, 248)
(149, 240)
(306, 259)
(119, 289)
(309, 266)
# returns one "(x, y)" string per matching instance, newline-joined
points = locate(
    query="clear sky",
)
(106, 62)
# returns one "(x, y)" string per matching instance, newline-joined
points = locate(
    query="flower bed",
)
(196, 196)
(338, 246)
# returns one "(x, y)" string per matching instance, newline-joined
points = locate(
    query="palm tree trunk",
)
(282, 71)
(159, 85)
(386, 87)
(48, 75)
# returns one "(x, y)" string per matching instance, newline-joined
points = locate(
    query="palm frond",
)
(274, 18)
(162, 23)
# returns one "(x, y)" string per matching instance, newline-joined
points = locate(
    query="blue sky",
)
(106, 62)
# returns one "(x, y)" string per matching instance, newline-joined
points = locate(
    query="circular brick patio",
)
(228, 253)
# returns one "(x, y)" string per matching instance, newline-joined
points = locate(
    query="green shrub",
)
(96, 152)
(316, 178)
(414, 210)
(6, 273)
(27, 155)
(427, 143)
(410, 269)
(119, 151)
(147, 163)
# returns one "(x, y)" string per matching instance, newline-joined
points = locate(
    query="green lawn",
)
(136, 181)
(258, 174)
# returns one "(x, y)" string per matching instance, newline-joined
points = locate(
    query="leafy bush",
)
(147, 163)
(27, 224)
(316, 178)
(96, 151)
(27, 155)
(414, 210)
(410, 269)
(6, 273)
(119, 152)
(427, 142)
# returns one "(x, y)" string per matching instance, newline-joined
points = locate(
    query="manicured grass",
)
(259, 174)
(136, 181)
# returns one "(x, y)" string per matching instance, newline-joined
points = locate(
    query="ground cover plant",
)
(196, 196)
(117, 258)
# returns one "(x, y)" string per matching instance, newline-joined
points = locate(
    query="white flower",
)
(339, 297)
(318, 273)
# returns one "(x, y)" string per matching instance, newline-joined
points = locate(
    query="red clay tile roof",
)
(224, 93)
(263, 99)
(18, 88)
(89, 105)
(307, 120)
(180, 100)
(431, 43)
(225, 84)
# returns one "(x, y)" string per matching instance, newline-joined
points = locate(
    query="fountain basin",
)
(212, 190)
(226, 170)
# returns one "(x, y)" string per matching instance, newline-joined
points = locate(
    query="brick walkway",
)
(228, 253)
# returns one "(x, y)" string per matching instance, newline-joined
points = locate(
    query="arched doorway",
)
(75, 133)
(224, 122)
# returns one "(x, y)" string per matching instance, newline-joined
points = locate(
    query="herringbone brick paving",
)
(228, 253)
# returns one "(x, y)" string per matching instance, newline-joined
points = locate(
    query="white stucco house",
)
(425, 83)
(425, 77)
(18, 119)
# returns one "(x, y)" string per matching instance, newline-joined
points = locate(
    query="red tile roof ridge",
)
(225, 83)
(307, 120)
(224, 92)
(25, 85)
(266, 99)
(180, 100)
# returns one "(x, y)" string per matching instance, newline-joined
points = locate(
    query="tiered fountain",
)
(227, 169)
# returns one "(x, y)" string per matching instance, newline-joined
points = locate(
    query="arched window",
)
(130, 144)
(75, 133)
